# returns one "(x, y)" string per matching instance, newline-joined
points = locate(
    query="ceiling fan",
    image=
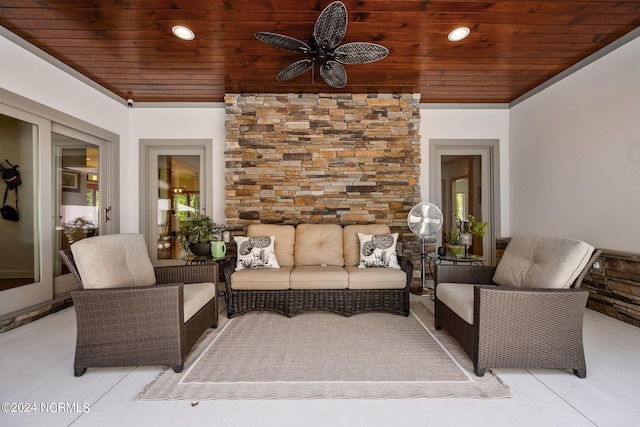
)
(322, 48)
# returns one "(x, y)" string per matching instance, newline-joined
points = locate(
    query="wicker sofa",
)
(526, 313)
(318, 270)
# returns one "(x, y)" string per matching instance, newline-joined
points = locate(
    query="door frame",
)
(23, 298)
(489, 151)
(107, 214)
(152, 147)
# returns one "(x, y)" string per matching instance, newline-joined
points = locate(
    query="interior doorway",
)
(464, 182)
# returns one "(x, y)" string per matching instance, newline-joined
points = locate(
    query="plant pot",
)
(457, 250)
(200, 249)
(218, 249)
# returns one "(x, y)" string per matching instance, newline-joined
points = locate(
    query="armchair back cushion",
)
(113, 261)
(319, 244)
(531, 261)
(285, 236)
(352, 243)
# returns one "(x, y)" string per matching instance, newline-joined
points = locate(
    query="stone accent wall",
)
(614, 286)
(323, 158)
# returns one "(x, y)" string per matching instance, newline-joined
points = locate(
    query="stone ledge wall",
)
(323, 158)
(614, 287)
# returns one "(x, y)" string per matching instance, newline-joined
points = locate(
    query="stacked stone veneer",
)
(614, 287)
(323, 158)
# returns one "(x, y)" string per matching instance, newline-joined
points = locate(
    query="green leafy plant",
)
(78, 229)
(476, 227)
(200, 229)
(78, 224)
(452, 237)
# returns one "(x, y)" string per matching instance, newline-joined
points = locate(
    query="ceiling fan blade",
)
(334, 74)
(283, 42)
(331, 25)
(295, 69)
(360, 53)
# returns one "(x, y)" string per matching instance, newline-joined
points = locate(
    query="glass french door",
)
(20, 244)
(77, 182)
(65, 183)
(462, 185)
(176, 184)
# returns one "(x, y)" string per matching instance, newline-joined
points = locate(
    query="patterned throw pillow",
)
(378, 250)
(256, 252)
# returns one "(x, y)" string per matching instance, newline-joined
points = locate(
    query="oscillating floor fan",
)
(425, 220)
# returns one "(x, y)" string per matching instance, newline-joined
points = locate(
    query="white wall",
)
(25, 74)
(575, 155)
(460, 124)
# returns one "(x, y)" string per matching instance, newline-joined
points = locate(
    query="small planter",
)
(200, 249)
(457, 250)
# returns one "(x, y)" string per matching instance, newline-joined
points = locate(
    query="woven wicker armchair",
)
(514, 327)
(137, 325)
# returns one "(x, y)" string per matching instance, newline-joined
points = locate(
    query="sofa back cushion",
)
(352, 243)
(113, 261)
(531, 261)
(285, 236)
(319, 244)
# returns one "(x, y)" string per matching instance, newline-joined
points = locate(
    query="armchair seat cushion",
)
(113, 261)
(196, 296)
(531, 261)
(272, 279)
(376, 278)
(319, 277)
(459, 298)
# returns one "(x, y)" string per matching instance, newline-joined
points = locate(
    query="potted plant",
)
(78, 229)
(475, 227)
(470, 228)
(198, 234)
(453, 242)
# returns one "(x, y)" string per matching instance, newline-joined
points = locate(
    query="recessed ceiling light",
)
(459, 34)
(183, 32)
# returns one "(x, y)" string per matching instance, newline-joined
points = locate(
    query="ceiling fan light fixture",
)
(458, 34)
(323, 48)
(182, 32)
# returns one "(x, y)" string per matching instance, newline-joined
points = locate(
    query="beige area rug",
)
(264, 355)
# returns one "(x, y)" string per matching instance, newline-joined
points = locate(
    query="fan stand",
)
(422, 290)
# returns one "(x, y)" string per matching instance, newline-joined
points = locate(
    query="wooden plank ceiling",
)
(127, 46)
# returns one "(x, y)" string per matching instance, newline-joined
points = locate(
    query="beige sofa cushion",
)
(272, 279)
(352, 243)
(459, 298)
(319, 277)
(376, 278)
(285, 236)
(113, 261)
(531, 261)
(318, 244)
(196, 296)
